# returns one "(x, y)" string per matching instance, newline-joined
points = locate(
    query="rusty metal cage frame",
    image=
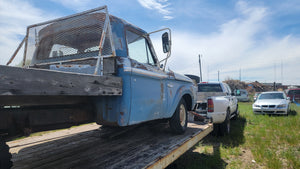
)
(106, 30)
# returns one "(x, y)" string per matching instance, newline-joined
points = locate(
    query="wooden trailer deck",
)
(149, 145)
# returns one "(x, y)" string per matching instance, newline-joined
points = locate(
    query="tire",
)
(179, 120)
(225, 126)
(5, 156)
(216, 131)
(236, 113)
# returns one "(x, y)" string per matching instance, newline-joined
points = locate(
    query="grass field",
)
(255, 141)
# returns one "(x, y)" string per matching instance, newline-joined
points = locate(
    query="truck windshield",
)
(209, 88)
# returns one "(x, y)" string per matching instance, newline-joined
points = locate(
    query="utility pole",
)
(274, 71)
(281, 72)
(240, 75)
(218, 75)
(200, 79)
(207, 73)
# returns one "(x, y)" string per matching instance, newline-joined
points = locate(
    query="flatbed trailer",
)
(150, 145)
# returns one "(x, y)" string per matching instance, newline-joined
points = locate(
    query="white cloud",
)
(13, 22)
(77, 5)
(240, 43)
(161, 6)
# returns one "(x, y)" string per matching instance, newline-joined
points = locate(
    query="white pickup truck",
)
(215, 100)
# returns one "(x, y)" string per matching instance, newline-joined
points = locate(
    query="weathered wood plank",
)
(40, 82)
(138, 148)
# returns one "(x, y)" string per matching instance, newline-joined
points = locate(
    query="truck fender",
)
(182, 92)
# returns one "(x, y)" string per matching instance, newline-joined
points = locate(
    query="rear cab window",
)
(209, 88)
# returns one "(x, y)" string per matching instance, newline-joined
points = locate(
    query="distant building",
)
(271, 84)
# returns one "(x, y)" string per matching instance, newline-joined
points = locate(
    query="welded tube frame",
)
(16, 51)
(106, 28)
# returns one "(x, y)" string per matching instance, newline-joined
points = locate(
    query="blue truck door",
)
(147, 81)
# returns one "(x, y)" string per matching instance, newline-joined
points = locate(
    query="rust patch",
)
(171, 74)
(66, 65)
(122, 121)
(180, 91)
(121, 43)
(191, 88)
(137, 65)
(120, 62)
(121, 66)
(120, 59)
(142, 67)
(114, 19)
(161, 91)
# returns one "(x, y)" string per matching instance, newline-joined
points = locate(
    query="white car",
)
(242, 95)
(271, 103)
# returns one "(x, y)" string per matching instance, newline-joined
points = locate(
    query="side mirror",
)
(165, 42)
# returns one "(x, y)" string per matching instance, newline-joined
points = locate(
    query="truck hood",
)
(182, 77)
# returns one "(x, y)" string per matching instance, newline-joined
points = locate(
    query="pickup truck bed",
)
(92, 146)
(15, 81)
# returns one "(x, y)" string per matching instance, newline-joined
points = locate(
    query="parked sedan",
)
(242, 95)
(271, 103)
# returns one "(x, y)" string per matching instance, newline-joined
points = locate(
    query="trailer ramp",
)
(91, 146)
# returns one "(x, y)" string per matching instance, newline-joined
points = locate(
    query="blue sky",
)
(262, 38)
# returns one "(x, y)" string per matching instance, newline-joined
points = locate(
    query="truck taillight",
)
(210, 105)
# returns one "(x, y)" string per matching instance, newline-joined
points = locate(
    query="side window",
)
(227, 89)
(138, 48)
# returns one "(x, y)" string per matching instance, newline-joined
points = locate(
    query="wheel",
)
(236, 113)
(225, 126)
(5, 156)
(179, 120)
(216, 131)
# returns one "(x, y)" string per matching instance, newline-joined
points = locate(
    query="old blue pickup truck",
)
(92, 66)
